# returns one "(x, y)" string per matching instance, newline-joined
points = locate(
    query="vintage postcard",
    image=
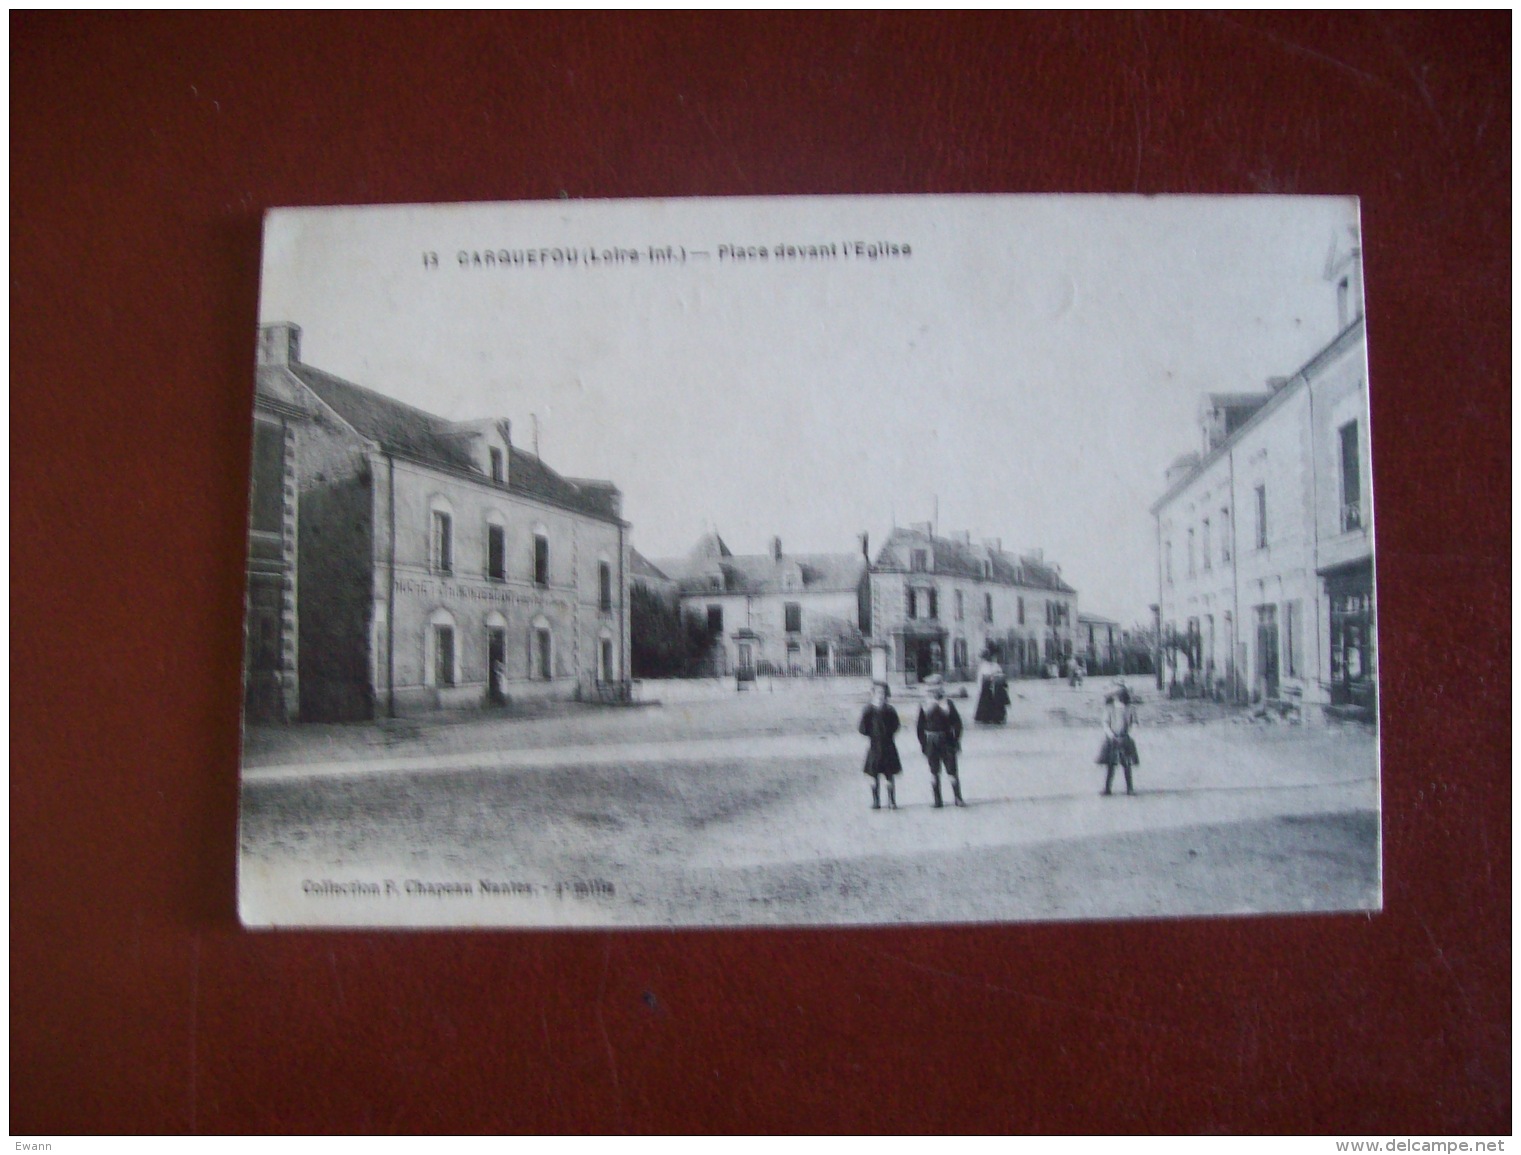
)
(837, 560)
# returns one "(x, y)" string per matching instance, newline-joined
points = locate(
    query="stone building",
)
(1264, 536)
(1098, 643)
(937, 602)
(271, 676)
(437, 564)
(779, 613)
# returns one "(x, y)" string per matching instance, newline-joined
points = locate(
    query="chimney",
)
(865, 540)
(776, 549)
(923, 527)
(994, 544)
(962, 537)
(279, 344)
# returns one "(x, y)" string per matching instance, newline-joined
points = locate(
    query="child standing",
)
(879, 722)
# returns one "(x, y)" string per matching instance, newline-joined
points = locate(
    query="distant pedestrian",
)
(879, 722)
(992, 693)
(1119, 747)
(940, 736)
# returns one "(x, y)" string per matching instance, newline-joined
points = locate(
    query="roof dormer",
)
(489, 444)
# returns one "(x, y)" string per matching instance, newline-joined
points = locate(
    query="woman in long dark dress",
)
(879, 722)
(993, 695)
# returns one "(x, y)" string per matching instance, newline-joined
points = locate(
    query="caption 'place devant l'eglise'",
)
(569, 256)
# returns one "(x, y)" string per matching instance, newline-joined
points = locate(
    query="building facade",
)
(937, 602)
(437, 565)
(1264, 537)
(1098, 643)
(271, 657)
(776, 613)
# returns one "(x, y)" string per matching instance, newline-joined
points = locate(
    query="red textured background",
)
(143, 152)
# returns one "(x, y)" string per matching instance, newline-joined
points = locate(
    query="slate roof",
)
(759, 574)
(273, 384)
(710, 545)
(411, 432)
(640, 566)
(963, 560)
(1238, 400)
(1096, 619)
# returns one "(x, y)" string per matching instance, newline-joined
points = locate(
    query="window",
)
(958, 652)
(498, 465)
(987, 607)
(540, 559)
(794, 659)
(715, 619)
(496, 553)
(442, 658)
(934, 603)
(443, 655)
(919, 561)
(268, 513)
(911, 603)
(605, 666)
(1204, 547)
(1190, 553)
(1293, 646)
(793, 612)
(960, 606)
(443, 542)
(1225, 535)
(604, 586)
(1019, 606)
(1351, 479)
(543, 654)
(1262, 525)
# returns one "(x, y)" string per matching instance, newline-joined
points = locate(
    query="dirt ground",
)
(751, 808)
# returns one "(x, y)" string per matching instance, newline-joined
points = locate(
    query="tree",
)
(657, 638)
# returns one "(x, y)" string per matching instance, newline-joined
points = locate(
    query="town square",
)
(750, 807)
(937, 590)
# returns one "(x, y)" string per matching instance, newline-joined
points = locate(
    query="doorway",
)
(496, 664)
(925, 657)
(1267, 651)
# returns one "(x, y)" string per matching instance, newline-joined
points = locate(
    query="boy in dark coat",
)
(879, 722)
(940, 736)
(1119, 747)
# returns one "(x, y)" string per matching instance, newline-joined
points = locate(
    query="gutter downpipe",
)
(623, 624)
(1309, 388)
(1161, 684)
(391, 587)
(1235, 581)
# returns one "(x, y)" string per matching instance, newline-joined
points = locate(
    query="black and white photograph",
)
(819, 560)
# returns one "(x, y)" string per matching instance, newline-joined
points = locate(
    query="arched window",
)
(540, 555)
(604, 584)
(607, 670)
(440, 535)
(541, 654)
(442, 646)
(496, 546)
